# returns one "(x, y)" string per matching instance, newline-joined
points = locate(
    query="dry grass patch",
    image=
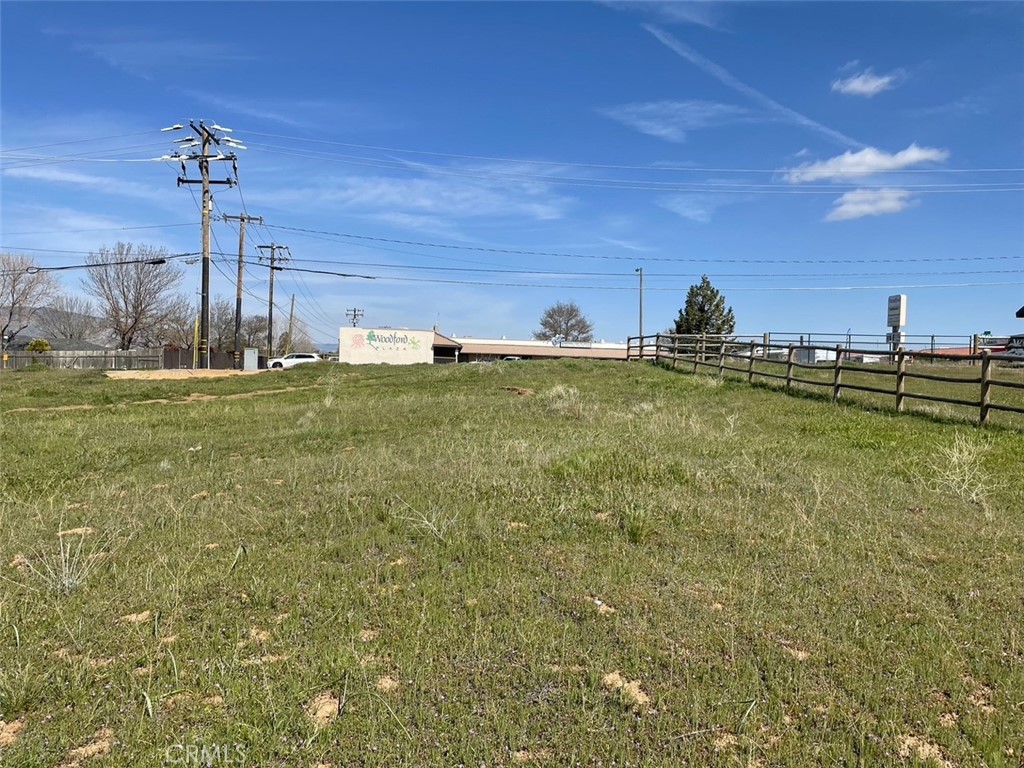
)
(367, 635)
(136, 618)
(83, 531)
(527, 756)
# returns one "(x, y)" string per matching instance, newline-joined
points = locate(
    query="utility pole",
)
(354, 315)
(274, 258)
(291, 327)
(241, 219)
(205, 137)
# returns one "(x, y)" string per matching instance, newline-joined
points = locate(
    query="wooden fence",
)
(104, 359)
(837, 369)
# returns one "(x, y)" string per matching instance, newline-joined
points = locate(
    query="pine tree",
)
(705, 311)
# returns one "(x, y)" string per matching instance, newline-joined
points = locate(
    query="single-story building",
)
(488, 350)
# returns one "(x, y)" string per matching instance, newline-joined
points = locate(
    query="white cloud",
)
(866, 83)
(727, 79)
(702, 12)
(103, 184)
(869, 202)
(454, 198)
(670, 120)
(697, 207)
(864, 163)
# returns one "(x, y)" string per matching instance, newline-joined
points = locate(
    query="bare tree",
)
(23, 290)
(564, 322)
(298, 341)
(71, 317)
(254, 332)
(222, 325)
(180, 328)
(134, 286)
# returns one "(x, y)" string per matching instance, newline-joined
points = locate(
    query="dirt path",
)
(195, 397)
(176, 373)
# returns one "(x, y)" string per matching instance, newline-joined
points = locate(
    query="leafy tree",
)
(38, 345)
(23, 291)
(134, 287)
(705, 311)
(564, 321)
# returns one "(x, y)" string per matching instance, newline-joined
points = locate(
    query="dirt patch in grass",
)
(9, 731)
(387, 684)
(136, 618)
(923, 750)
(100, 745)
(630, 690)
(323, 709)
(367, 635)
(270, 658)
(179, 373)
(83, 531)
(194, 397)
(981, 697)
(519, 390)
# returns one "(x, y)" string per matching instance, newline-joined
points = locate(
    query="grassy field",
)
(512, 564)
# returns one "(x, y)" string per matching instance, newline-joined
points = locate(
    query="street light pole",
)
(640, 271)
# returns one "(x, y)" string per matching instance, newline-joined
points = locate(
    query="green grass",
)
(793, 582)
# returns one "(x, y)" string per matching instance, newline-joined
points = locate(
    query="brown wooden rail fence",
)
(992, 379)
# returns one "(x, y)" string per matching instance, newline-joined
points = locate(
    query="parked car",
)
(295, 358)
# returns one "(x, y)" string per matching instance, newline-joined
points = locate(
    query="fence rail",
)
(134, 359)
(836, 367)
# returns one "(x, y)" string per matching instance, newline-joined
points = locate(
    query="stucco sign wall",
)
(397, 346)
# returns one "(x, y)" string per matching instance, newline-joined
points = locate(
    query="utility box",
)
(250, 359)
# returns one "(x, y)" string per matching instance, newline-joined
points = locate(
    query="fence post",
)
(721, 358)
(675, 350)
(986, 386)
(837, 375)
(750, 363)
(657, 349)
(766, 340)
(789, 367)
(975, 345)
(901, 379)
(698, 352)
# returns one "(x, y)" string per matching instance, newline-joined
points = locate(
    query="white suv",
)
(295, 358)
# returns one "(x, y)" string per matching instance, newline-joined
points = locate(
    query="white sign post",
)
(896, 319)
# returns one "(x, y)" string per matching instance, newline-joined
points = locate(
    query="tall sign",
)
(896, 318)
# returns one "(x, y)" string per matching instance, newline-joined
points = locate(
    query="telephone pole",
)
(204, 139)
(354, 315)
(274, 258)
(242, 219)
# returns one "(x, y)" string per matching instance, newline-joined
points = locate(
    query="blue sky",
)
(811, 158)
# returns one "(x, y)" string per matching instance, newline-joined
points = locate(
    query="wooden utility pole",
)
(274, 258)
(242, 219)
(205, 137)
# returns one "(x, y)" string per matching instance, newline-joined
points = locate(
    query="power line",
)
(722, 187)
(99, 229)
(609, 166)
(635, 259)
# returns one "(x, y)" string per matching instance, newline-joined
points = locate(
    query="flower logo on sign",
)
(357, 341)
